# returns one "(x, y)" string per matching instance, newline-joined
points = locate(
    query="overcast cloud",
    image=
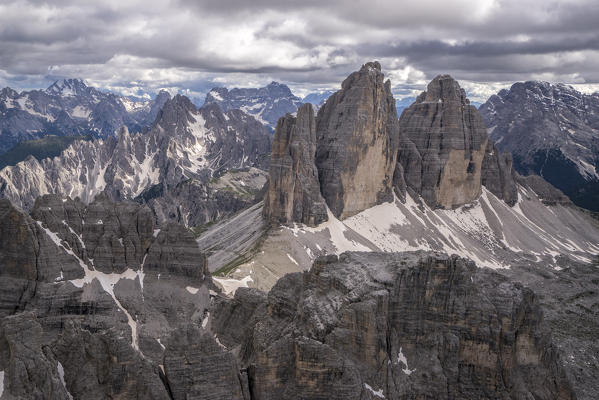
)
(188, 46)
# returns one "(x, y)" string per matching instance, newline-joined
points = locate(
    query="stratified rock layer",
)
(498, 175)
(394, 326)
(358, 135)
(294, 191)
(449, 140)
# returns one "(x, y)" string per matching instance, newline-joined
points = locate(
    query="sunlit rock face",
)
(357, 139)
(443, 145)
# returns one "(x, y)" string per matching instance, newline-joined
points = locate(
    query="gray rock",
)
(497, 174)
(172, 168)
(266, 104)
(357, 141)
(403, 325)
(99, 289)
(70, 107)
(552, 130)
(294, 190)
(449, 140)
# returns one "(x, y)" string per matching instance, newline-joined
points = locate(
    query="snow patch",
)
(231, 285)
(61, 376)
(192, 290)
(377, 393)
(401, 359)
(292, 259)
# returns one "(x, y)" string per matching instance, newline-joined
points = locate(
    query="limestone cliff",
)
(395, 326)
(449, 138)
(294, 191)
(358, 136)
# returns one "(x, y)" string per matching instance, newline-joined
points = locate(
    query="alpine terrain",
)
(358, 254)
(552, 131)
(69, 107)
(192, 166)
(266, 104)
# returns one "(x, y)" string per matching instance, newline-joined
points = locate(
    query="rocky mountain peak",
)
(279, 90)
(175, 112)
(8, 92)
(445, 155)
(551, 130)
(67, 87)
(349, 153)
(369, 73)
(294, 191)
(444, 88)
(266, 104)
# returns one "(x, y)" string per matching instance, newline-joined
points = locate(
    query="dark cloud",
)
(194, 44)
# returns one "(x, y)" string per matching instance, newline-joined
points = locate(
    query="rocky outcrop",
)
(294, 190)
(552, 130)
(90, 296)
(498, 175)
(395, 326)
(449, 138)
(357, 139)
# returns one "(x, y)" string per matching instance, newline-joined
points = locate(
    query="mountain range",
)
(356, 254)
(265, 104)
(191, 166)
(552, 131)
(70, 107)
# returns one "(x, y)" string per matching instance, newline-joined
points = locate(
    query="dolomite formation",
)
(294, 191)
(498, 175)
(403, 326)
(357, 140)
(448, 141)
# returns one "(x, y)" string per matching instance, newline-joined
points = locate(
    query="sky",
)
(138, 47)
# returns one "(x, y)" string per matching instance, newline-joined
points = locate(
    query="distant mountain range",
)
(266, 104)
(68, 108)
(552, 130)
(192, 166)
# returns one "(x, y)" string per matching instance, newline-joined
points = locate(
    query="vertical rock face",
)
(358, 136)
(91, 295)
(449, 138)
(395, 326)
(294, 191)
(497, 174)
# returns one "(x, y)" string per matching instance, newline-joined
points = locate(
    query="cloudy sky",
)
(136, 46)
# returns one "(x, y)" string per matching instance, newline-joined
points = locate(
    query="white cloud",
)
(311, 45)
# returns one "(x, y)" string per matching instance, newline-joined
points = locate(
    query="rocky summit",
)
(445, 155)
(552, 130)
(393, 326)
(357, 139)
(439, 151)
(378, 258)
(352, 146)
(294, 190)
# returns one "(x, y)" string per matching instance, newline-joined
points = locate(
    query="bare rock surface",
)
(91, 296)
(552, 130)
(175, 167)
(357, 139)
(294, 189)
(443, 162)
(395, 326)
